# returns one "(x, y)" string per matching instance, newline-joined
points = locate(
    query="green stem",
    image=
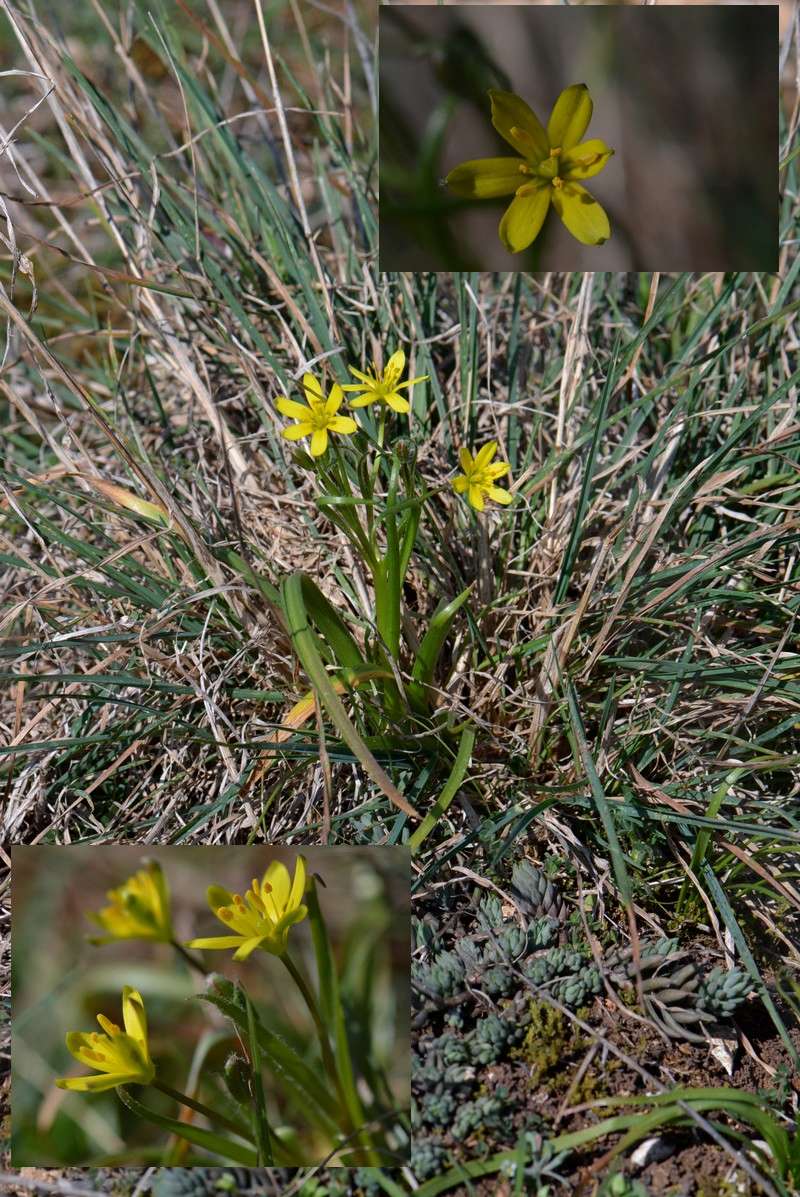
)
(327, 1054)
(200, 1108)
(191, 960)
(376, 465)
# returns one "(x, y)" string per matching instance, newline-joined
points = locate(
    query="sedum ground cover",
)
(597, 770)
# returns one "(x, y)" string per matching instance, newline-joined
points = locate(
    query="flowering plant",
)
(241, 1118)
(371, 489)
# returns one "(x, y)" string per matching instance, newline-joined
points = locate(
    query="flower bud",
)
(237, 1078)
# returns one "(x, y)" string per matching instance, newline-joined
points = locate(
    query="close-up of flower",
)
(139, 909)
(480, 475)
(317, 417)
(120, 1057)
(550, 163)
(383, 386)
(262, 918)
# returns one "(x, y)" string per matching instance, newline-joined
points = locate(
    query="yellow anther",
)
(225, 913)
(557, 182)
(556, 150)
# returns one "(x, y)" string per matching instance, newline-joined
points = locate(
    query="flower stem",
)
(190, 960)
(200, 1108)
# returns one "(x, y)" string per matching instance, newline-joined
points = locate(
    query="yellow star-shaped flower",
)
(383, 387)
(139, 909)
(120, 1057)
(480, 475)
(317, 417)
(551, 162)
(262, 918)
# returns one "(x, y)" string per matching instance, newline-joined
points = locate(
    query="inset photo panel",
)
(191, 1006)
(578, 137)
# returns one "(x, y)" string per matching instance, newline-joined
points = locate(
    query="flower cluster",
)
(140, 909)
(319, 416)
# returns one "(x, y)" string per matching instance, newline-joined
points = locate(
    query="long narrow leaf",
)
(306, 648)
(460, 766)
(226, 1148)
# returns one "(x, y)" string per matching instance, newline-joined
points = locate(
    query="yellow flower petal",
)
(585, 160)
(465, 459)
(411, 382)
(570, 117)
(524, 216)
(342, 424)
(394, 368)
(99, 1082)
(334, 400)
(497, 469)
(288, 407)
(216, 943)
(364, 400)
(460, 484)
(298, 885)
(485, 455)
(277, 877)
(475, 496)
(312, 389)
(365, 378)
(248, 947)
(519, 125)
(133, 1015)
(486, 178)
(319, 441)
(397, 402)
(85, 1049)
(582, 214)
(500, 495)
(297, 431)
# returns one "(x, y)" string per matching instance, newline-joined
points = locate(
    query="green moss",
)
(549, 1039)
(593, 1085)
